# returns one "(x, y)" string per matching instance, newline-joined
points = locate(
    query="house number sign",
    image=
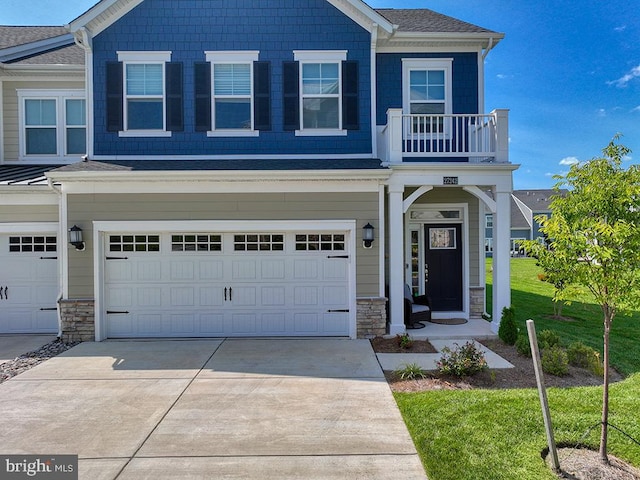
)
(450, 180)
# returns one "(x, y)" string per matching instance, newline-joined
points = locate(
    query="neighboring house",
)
(526, 205)
(236, 158)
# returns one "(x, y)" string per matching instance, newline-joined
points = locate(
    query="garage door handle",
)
(341, 310)
(48, 309)
(230, 294)
(6, 293)
(337, 256)
(109, 312)
(1, 297)
(225, 294)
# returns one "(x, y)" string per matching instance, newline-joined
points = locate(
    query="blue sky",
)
(568, 70)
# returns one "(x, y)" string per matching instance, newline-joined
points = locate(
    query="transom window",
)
(258, 242)
(53, 123)
(197, 242)
(144, 90)
(38, 243)
(323, 242)
(134, 243)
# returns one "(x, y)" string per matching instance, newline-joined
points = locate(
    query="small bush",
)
(404, 340)
(508, 330)
(580, 355)
(462, 360)
(523, 346)
(548, 338)
(555, 361)
(410, 371)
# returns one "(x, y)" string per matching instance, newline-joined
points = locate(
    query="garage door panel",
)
(150, 296)
(334, 323)
(120, 325)
(212, 324)
(243, 296)
(183, 324)
(335, 269)
(306, 323)
(305, 269)
(211, 270)
(119, 271)
(273, 296)
(272, 269)
(305, 295)
(183, 297)
(121, 297)
(182, 270)
(274, 323)
(149, 324)
(149, 271)
(211, 296)
(244, 323)
(244, 270)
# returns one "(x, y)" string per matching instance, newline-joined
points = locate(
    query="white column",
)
(396, 259)
(394, 135)
(501, 256)
(502, 134)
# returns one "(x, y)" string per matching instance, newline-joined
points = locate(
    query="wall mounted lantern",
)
(367, 235)
(75, 238)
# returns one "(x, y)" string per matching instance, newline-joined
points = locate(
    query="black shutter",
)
(291, 100)
(202, 78)
(175, 116)
(262, 95)
(350, 105)
(114, 97)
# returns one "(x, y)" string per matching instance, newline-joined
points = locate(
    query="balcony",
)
(472, 138)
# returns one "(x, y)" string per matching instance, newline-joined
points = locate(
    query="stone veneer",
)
(371, 317)
(476, 297)
(78, 324)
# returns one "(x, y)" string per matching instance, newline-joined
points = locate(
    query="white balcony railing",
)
(474, 137)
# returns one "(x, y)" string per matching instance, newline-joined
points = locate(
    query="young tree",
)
(595, 230)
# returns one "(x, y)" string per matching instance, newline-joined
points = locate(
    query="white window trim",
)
(60, 96)
(320, 56)
(232, 57)
(446, 64)
(139, 57)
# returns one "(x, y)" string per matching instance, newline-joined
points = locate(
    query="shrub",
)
(508, 330)
(410, 371)
(462, 360)
(523, 346)
(555, 361)
(580, 355)
(404, 340)
(548, 338)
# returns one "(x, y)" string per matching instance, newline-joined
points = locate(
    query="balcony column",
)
(394, 135)
(396, 259)
(501, 256)
(502, 134)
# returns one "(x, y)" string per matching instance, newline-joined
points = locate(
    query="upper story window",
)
(488, 221)
(144, 95)
(427, 93)
(233, 94)
(320, 93)
(52, 124)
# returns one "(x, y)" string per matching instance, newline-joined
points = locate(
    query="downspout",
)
(488, 49)
(84, 40)
(62, 249)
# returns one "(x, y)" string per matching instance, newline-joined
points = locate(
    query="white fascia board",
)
(33, 48)
(40, 195)
(102, 15)
(351, 156)
(15, 70)
(498, 175)
(29, 227)
(362, 14)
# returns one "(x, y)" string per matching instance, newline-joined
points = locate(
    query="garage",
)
(227, 283)
(28, 282)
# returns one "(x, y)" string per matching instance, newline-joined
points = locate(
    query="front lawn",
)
(499, 434)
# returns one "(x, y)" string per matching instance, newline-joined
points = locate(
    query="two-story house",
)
(251, 168)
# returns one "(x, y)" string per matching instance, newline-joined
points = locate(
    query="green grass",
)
(499, 434)
(531, 298)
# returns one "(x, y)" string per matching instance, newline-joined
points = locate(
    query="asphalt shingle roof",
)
(427, 21)
(69, 55)
(11, 36)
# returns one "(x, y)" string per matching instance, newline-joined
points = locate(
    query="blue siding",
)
(389, 82)
(188, 28)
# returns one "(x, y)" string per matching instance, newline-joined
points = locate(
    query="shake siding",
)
(361, 207)
(28, 213)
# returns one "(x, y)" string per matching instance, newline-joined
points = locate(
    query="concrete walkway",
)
(250, 409)
(12, 345)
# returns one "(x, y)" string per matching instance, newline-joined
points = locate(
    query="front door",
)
(443, 266)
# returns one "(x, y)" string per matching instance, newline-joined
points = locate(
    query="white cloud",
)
(627, 158)
(621, 28)
(601, 112)
(503, 76)
(637, 109)
(569, 161)
(626, 78)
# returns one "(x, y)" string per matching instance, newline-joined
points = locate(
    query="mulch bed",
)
(391, 345)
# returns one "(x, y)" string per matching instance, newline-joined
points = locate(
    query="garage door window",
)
(32, 244)
(255, 242)
(134, 243)
(196, 242)
(330, 242)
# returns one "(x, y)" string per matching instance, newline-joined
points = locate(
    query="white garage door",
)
(229, 284)
(28, 283)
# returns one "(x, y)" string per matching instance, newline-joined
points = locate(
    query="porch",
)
(467, 138)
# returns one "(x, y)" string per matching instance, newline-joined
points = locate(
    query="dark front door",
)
(444, 266)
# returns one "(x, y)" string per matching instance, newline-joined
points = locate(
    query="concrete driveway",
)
(14, 345)
(251, 409)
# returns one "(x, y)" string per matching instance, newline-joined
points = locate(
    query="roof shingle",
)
(427, 21)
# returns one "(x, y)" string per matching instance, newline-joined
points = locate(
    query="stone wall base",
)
(477, 302)
(78, 320)
(371, 317)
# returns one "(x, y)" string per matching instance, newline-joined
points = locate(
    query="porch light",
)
(367, 235)
(75, 238)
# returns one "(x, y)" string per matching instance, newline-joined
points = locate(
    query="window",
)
(196, 242)
(38, 243)
(232, 106)
(134, 243)
(324, 242)
(144, 95)
(427, 93)
(489, 221)
(53, 124)
(258, 242)
(326, 102)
